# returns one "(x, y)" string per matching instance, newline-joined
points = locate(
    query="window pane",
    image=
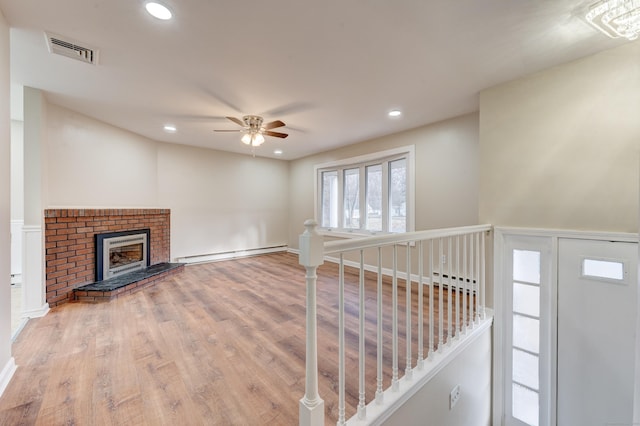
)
(526, 299)
(603, 269)
(374, 198)
(352, 198)
(526, 266)
(525, 369)
(525, 405)
(398, 195)
(526, 333)
(330, 199)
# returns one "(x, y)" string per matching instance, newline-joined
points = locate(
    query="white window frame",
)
(362, 161)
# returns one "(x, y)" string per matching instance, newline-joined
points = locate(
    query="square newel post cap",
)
(311, 245)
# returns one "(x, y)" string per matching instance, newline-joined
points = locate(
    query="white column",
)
(311, 256)
(7, 363)
(33, 270)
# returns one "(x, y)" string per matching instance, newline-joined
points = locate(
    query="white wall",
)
(219, 201)
(446, 174)
(430, 406)
(17, 196)
(93, 164)
(17, 170)
(559, 148)
(6, 361)
(222, 201)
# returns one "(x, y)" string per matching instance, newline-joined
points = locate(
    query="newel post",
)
(311, 256)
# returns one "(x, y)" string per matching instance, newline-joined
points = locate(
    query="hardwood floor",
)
(220, 344)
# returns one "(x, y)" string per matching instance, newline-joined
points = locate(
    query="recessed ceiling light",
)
(170, 128)
(158, 10)
(277, 152)
(395, 113)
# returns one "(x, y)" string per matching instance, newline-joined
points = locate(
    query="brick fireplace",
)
(70, 243)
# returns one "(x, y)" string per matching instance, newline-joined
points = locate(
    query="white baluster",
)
(471, 280)
(483, 302)
(341, 345)
(379, 390)
(407, 371)
(477, 275)
(394, 322)
(449, 313)
(440, 296)
(431, 327)
(464, 284)
(311, 411)
(362, 409)
(458, 289)
(420, 307)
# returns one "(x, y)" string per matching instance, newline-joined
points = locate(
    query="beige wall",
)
(5, 210)
(446, 174)
(560, 148)
(222, 201)
(219, 201)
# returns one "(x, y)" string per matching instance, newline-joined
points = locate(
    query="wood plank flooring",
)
(220, 344)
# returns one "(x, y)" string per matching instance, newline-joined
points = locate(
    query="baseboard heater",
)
(214, 257)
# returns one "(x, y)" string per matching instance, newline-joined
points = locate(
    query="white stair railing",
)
(451, 261)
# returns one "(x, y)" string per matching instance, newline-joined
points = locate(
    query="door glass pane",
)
(526, 266)
(374, 197)
(398, 195)
(329, 199)
(352, 198)
(525, 405)
(526, 299)
(525, 369)
(526, 333)
(603, 269)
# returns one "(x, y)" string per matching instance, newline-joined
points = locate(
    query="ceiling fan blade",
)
(276, 134)
(236, 120)
(274, 125)
(235, 131)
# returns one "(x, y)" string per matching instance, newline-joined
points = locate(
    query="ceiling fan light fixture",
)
(158, 10)
(616, 18)
(252, 139)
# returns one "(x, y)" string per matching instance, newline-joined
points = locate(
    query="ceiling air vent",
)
(71, 49)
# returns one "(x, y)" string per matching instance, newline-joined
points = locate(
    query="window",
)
(367, 194)
(528, 338)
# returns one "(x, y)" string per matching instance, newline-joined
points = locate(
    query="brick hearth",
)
(70, 243)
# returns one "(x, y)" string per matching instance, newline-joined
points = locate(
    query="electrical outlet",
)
(444, 259)
(454, 396)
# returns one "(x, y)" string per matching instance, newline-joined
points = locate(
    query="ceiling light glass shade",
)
(158, 11)
(253, 139)
(395, 113)
(616, 18)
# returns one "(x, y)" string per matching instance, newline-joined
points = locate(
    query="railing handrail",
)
(374, 241)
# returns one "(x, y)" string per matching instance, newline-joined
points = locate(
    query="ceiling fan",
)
(254, 130)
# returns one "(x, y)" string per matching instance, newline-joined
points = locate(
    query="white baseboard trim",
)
(214, 257)
(36, 313)
(7, 374)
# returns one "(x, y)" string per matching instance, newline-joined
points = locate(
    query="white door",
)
(597, 284)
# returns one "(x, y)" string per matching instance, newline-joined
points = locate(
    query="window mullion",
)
(341, 198)
(362, 192)
(385, 196)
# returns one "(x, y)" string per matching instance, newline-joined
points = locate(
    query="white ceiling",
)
(331, 70)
